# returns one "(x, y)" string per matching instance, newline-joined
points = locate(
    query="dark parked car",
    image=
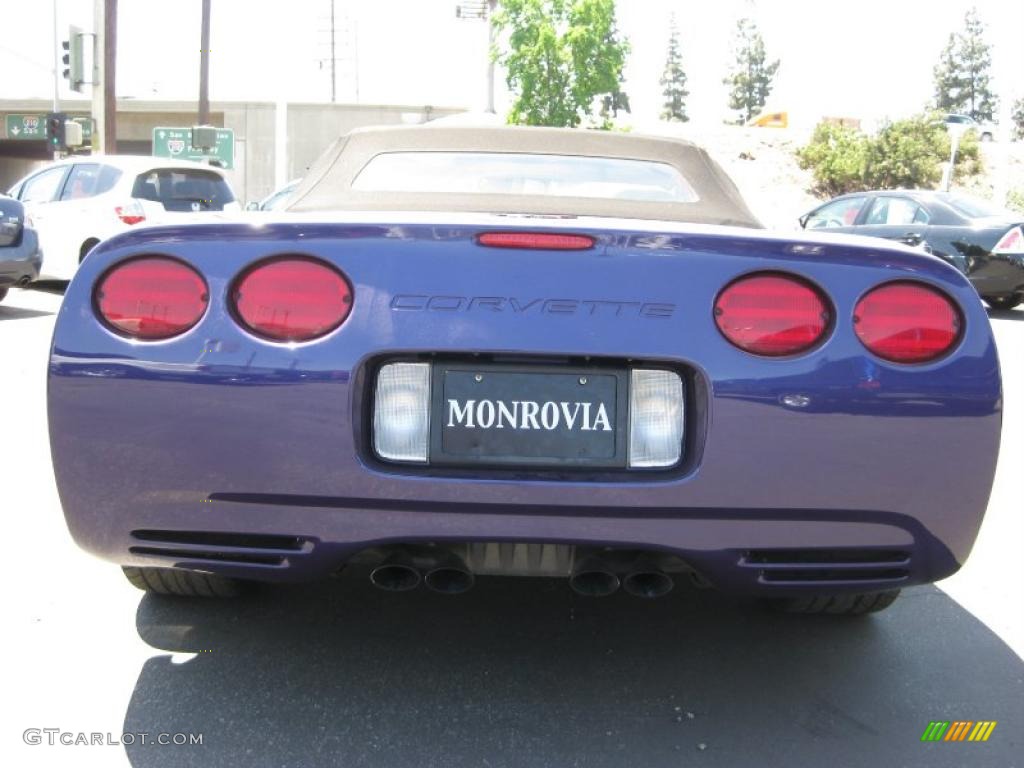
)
(20, 257)
(983, 241)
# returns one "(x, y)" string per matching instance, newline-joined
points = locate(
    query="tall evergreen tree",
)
(1017, 116)
(949, 78)
(962, 80)
(673, 80)
(752, 74)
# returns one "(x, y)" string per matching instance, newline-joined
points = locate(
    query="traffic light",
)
(74, 63)
(55, 137)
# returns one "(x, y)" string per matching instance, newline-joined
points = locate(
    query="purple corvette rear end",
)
(827, 473)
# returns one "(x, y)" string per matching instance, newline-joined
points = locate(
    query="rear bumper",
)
(999, 275)
(20, 264)
(738, 551)
(152, 449)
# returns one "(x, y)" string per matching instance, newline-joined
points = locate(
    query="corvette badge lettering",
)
(521, 306)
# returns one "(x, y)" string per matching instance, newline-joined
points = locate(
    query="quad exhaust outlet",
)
(593, 575)
(404, 570)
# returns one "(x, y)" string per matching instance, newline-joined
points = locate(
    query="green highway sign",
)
(87, 126)
(33, 127)
(177, 143)
(26, 127)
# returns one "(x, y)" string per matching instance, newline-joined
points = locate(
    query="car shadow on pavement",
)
(1005, 314)
(57, 287)
(521, 672)
(19, 313)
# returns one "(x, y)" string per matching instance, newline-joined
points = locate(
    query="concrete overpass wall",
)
(310, 129)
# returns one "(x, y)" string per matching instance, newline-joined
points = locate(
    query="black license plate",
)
(528, 416)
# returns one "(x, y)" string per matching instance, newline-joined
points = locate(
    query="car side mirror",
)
(254, 206)
(803, 220)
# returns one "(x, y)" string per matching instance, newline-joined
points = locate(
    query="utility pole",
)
(334, 59)
(56, 61)
(109, 78)
(204, 66)
(484, 10)
(492, 6)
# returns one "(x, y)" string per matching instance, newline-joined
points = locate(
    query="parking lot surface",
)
(514, 673)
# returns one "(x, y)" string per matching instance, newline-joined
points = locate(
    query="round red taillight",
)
(907, 322)
(292, 298)
(772, 314)
(151, 298)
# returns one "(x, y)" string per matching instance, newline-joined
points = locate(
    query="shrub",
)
(904, 154)
(907, 153)
(1015, 200)
(836, 155)
(1018, 119)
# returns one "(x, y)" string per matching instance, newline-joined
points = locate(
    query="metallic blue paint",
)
(218, 430)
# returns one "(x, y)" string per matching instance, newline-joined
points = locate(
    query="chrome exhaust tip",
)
(395, 577)
(449, 579)
(649, 584)
(448, 574)
(592, 578)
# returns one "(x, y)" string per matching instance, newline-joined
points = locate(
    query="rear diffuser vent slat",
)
(810, 566)
(199, 554)
(213, 539)
(239, 548)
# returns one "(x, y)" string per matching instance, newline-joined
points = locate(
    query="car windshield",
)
(973, 208)
(515, 173)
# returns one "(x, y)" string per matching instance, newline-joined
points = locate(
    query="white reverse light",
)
(655, 418)
(401, 412)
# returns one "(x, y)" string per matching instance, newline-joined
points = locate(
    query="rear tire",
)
(171, 581)
(87, 246)
(1004, 302)
(839, 605)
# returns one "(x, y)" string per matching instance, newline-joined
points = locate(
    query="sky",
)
(869, 59)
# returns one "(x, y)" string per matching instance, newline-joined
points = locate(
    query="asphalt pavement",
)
(513, 673)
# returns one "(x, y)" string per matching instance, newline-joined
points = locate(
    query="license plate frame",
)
(566, 449)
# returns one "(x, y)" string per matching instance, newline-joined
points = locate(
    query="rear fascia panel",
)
(218, 430)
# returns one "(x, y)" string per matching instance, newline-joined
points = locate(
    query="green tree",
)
(750, 79)
(962, 80)
(618, 100)
(673, 79)
(562, 57)
(1018, 118)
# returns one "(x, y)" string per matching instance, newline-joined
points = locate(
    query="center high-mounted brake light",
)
(548, 241)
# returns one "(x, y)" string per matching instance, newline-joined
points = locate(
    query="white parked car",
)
(961, 123)
(277, 199)
(77, 202)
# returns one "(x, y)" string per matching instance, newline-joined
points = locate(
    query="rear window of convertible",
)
(512, 173)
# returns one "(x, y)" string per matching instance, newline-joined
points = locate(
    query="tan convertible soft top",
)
(328, 185)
